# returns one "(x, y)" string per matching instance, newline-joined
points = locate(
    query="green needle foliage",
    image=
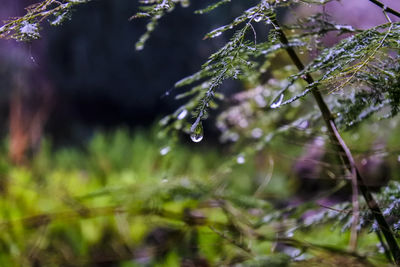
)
(356, 84)
(27, 28)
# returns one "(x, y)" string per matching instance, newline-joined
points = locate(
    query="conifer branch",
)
(331, 126)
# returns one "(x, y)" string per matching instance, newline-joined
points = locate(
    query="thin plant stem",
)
(354, 186)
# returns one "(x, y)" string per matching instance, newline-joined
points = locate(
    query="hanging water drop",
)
(165, 150)
(197, 132)
(290, 233)
(139, 46)
(240, 159)
(182, 114)
(277, 103)
(29, 30)
(185, 3)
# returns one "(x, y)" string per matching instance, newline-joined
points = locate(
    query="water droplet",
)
(197, 132)
(164, 180)
(290, 233)
(139, 46)
(258, 18)
(277, 103)
(216, 34)
(398, 158)
(196, 137)
(240, 159)
(182, 114)
(165, 150)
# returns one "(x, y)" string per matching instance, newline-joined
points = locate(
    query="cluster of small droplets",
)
(58, 20)
(29, 31)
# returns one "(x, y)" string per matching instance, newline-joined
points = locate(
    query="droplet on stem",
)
(197, 131)
(182, 114)
(277, 103)
(139, 46)
(258, 18)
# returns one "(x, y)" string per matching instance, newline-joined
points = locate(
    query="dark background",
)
(101, 81)
(98, 80)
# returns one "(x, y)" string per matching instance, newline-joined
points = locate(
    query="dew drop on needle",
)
(197, 132)
(277, 103)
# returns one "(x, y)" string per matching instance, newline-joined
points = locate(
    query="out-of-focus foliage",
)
(125, 199)
(131, 200)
